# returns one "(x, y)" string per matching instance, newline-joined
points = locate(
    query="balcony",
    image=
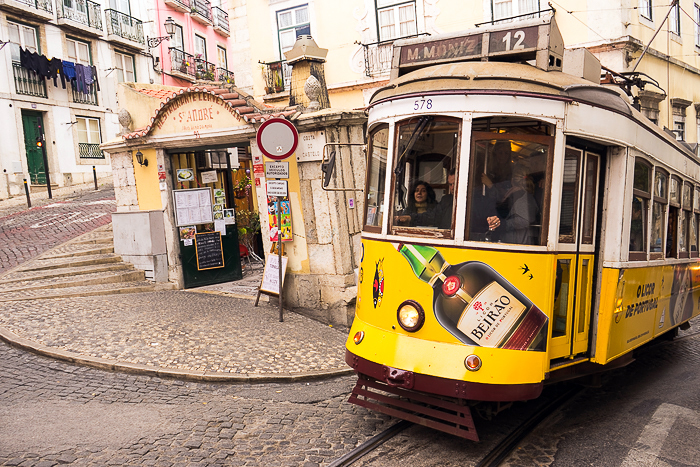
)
(82, 98)
(182, 64)
(201, 11)
(225, 76)
(124, 29)
(27, 82)
(90, 151)
(29, 9)
(221, 21)
(278, 76)
(179, 5)
(80, 15)
(378, 57)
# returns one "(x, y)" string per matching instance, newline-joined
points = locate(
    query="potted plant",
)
(242, 187)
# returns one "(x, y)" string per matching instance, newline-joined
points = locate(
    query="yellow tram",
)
(523, 224)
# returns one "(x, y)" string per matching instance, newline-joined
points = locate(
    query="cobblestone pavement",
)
(54, 413)
(179, 330)
(25, 233)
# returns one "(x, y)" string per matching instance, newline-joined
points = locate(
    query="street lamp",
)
(152, 42)
(140, 159)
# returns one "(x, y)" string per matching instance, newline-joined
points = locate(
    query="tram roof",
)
(513, 78)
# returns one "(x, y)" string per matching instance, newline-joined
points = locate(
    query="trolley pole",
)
(94, 176)
(26, 192)
(279, 253)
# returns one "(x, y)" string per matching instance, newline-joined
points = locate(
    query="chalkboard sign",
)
(210, 254)
(271, 275)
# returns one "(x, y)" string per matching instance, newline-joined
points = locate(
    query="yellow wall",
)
(147, 187)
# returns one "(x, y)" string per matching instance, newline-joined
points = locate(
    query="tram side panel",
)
(387, 280)
(639, 304)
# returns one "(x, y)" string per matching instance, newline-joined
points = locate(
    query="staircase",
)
(82, 267)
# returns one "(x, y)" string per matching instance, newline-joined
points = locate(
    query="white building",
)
(106, 34)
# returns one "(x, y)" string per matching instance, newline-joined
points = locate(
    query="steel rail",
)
(499, 453)
(371, 444)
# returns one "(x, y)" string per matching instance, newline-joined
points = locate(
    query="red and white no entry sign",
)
(277, 138)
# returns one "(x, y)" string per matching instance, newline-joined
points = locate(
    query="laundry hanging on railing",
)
(82, 78)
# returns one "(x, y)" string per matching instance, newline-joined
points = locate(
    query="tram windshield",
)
(424, 173)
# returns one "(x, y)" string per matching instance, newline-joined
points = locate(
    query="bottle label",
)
(491, 316)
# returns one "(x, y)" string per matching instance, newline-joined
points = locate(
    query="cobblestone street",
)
(55, 413)
(25, 233)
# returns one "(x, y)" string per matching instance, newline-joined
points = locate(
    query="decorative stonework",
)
(125, 121)
(312, 89)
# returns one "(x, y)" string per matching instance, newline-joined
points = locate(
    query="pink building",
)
(199, 47)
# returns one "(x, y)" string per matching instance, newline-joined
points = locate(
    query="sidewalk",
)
(210, 333)
(41, 197)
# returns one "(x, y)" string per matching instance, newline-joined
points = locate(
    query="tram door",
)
(573, 294)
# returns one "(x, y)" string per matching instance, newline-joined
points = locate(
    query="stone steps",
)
(85, 266)
(86, 291)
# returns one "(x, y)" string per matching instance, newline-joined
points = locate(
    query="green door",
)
(35, 158)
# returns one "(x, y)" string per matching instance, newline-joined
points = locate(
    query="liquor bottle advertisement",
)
(475, 303)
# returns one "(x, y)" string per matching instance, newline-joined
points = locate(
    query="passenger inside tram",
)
(420, 200)
(516, 210)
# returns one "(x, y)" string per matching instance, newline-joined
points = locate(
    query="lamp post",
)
(140, 159)
(152, 42)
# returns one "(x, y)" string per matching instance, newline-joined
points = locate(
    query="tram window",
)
(658, 214)
(376, 177)
(569, 195)
(686, 220)
(589, 197)
(424, 175)
(694, 223)
(507, 188)
(639, 213)
(674, 214)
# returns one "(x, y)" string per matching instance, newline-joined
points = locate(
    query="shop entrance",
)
(206, 185)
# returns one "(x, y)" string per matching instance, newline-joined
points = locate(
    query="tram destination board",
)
(210, 254)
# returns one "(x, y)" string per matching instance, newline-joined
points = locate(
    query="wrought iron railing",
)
(220, 18)
(182, 62)
(202, 8)
(28, 82)
(184, 3)
(85, 98)
(378, 58)
(125, 26)
(38, 4)
(204, 70)
(81, 11)
(278, 76)
(90, 151)
(224, 75)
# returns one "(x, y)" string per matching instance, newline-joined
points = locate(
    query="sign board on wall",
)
(311, 146)
(277, 170)
(193, 206)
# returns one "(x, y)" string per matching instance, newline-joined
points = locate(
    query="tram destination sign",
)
(526, 40)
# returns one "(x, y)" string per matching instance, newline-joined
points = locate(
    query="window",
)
(78, 51)
(376, 177)
(639, 213)
(674, 20)
(658, 214)
(508, 8)
(89, 138)
(697, 25)
(679, 130)
(77, 6)
(22, 36)
(221, 57)
(178, 41)
(673, 218)
(694, 239)
(686, 218)
(396, 19)
(645, 9)
(425, 155)
(292, 23)
(121, 6)
(125, 68)
(200, 47)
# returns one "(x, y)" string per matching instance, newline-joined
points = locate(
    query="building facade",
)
(359, 35)
(71, 117)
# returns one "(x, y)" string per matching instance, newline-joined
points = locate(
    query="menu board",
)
(271, 275)
(193, 206)
(210, 254)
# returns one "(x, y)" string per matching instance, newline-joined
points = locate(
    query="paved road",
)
(25, 233)
(55, 413)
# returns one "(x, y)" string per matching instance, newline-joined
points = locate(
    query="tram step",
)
(419, 408)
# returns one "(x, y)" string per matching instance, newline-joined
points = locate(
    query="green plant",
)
(242, 184)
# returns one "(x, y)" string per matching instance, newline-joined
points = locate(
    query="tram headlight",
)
(357, 338)
(472, 362)
(410, 316)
